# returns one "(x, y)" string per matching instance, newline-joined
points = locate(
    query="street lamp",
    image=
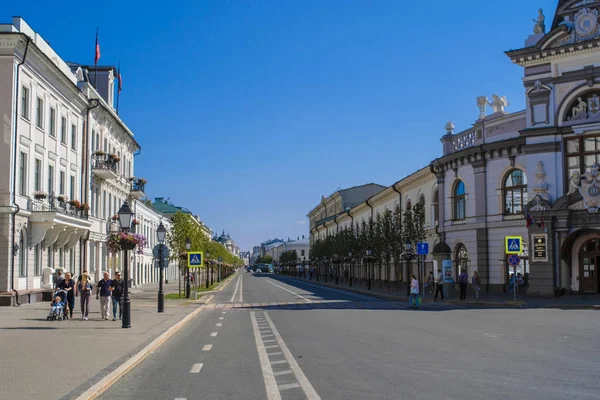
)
(188, 246)
(325, 268)
(369, 258)
(125, 216)
(161, 233)
(220, 259)
(408, 258)
(349, 260)
(208, 262)
(336, 260)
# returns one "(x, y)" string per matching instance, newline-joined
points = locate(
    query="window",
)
(459, 200)
(52, 127)
(580, 154)
(105, 145)
(97, 141)
(25, 102)
(61, 183)
(302, 253)
(22, 256)
(63, 130)
(515, 192)
(50, 179)
(462, 259)
(72, 194)
(37, 180)
(409, 205)
(39, 113)
(23, 175)
(36, 261)
(74, 137)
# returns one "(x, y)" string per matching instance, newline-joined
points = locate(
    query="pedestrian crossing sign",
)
(195, 259)
(514, 244)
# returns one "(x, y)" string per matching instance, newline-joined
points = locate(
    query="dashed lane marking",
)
(196, 368)
(207, 347)
(289, 386)
(267, 371)
(284, 372)
(275, 353)
(214, 334)
(218, 324)
(289, 291)
(278, 362)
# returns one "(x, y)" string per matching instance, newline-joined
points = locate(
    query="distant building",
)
(169, 210)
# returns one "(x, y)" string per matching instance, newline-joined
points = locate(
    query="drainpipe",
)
(369, 204)
(351, 218)
(337, 226)
(14, 188)
(399, 196)
(85, 156)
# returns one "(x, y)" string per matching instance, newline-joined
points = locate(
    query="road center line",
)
(287, 371)
(214, 334)
(270, 382)
(237, 286)
(309, 390)
(241, 297)
(196, 368)
(289, 291)
(207, 347)
(221, 318)
(218, 324)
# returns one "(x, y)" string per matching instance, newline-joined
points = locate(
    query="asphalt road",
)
(266, 337)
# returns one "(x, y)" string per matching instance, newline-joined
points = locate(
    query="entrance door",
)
(588, 273)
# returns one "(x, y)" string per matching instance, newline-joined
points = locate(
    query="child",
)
(57, 305)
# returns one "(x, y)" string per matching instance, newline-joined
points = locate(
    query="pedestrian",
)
(414, 292)
(476, 282)
(85, 290)
(439, 285)
(430, 282)
(463, 281)
(68, 285)
(116, 290)
(59, 278)
(103, 292)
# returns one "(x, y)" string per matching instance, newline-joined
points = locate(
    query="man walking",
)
(439, 285)
(116, 290)
(103, 291)
(463, 281)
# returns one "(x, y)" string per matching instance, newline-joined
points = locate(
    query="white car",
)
(258, 271)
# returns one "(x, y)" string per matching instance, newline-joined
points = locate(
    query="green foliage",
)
(288, 256)
(267, 259)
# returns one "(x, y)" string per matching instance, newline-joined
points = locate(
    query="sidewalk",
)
(61, 359)
(485, 299)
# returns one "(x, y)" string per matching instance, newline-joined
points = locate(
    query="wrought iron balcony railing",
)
(51, 203)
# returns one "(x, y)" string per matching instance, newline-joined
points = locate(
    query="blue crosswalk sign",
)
(423, 248)
(513, 244)
(195, 259)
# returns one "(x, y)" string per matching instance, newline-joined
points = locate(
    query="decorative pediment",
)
(539, 204)
(577, 25)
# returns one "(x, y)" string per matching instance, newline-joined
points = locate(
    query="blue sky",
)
(249, 111)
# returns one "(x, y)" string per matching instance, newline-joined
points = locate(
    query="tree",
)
(266, 259)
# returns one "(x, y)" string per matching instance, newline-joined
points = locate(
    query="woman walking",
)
(85, 290)
(414, 292)
(68, 284)
(476, 282)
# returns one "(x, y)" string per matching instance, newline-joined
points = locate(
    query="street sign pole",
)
(515, 285)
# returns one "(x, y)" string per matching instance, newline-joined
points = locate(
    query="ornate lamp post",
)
(188, 246)
(348, 260)
(325, 268)
(220, 259)
(125, 216)
(161, 233)
(408, 256)
(207, 264)
(369, 259)
(336, 261)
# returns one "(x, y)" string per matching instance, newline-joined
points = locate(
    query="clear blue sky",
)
(249, 111)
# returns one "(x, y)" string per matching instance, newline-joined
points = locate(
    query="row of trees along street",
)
(386, 238)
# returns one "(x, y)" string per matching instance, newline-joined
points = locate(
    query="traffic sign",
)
(514, 260)
(513, 244)
(195, 259)
(423, 248)
(166, 253)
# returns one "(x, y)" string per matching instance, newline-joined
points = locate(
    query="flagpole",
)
(96, 60)
(118, 87)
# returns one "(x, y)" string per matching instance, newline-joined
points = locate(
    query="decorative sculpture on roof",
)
(482, 102)
(574, 182)
(540, 25)
(498, 103)
(589, 188)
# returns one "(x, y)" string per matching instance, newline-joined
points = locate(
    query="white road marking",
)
(218, 324)
(237, 286)
(214, 334)
(223, 312)
(286, 372)
(278, 362)
(270, 382)
(287, 290)
(221, 318)
(196, 368)
(269, 340)
(289, 386)
(272, 346)
(266, 335)
(180, 398)
(275, 353)
(241, 297)
(207, 347)
(309, 390)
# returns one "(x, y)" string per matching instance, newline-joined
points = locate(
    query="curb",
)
(574, 307)
(110, 379)
(398, 298)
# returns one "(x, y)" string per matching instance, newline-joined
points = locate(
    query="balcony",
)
(104, 166)
(57, 222)
(137, 187)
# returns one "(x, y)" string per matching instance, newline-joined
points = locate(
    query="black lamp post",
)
(125, 216)
(336, 261)
(325, 268)
(219, 268)
(188, 246)
(161, 233)
(408, 257)
(208, 263)
(369, 260)
(349, 263)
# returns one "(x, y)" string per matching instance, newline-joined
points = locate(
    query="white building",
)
(301, 246)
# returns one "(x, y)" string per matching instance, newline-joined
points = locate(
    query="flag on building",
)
(97, 57)
(120, 79)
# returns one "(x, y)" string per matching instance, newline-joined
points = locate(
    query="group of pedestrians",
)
(107, 291)
(438, 283)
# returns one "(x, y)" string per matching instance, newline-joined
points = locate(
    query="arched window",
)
(408, 205)
(462, 258)
(515, 192)
(422, 201)
(460, 200)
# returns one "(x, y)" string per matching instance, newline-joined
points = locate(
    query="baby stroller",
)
(58, 312)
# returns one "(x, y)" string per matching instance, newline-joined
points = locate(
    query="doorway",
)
(589, 259)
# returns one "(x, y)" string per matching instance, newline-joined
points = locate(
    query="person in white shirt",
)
(439, 285)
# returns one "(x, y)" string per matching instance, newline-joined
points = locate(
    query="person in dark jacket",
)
(116, 290)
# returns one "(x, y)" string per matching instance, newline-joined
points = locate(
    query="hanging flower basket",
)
(40, 195)
(115, 157)
(115, 217)
(142, 181)
(135, 222)
(62, 198)
(126, 241)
